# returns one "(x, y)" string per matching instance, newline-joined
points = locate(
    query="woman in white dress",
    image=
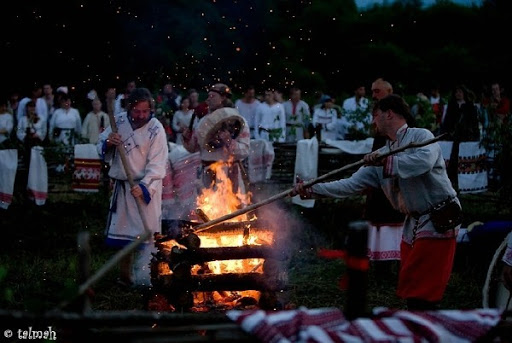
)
(181, 119)
(325, 119)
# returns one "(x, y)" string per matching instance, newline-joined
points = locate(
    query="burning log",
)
(201, 255)
(224, 282)
(202, 215)
(253, 224)
(179, 229)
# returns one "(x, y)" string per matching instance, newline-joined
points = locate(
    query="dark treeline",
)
(317, 45)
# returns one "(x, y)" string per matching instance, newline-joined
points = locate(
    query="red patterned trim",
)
(4, 197)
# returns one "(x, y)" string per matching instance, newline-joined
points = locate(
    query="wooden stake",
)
(207, 225)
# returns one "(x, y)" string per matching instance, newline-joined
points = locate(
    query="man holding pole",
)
(135, 146)
(416, 183)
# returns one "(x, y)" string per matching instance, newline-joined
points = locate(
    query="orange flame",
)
(219, 199)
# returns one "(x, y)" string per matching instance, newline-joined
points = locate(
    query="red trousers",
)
(425, 268)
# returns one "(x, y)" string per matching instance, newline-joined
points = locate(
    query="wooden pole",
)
(357, 264)
(84, 267)
(129, 174)
(207, 225)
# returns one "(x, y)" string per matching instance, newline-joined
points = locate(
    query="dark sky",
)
(56, 42)
(98, 43)
(193, 43)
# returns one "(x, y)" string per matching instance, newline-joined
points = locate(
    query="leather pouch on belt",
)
(446, 216)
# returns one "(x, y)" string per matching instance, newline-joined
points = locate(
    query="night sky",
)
(92, 44)
(98, 44)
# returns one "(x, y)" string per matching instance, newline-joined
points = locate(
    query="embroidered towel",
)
(37, 185)
(87, 173)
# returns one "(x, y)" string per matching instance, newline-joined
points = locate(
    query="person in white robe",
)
(144, 142)
(297, 116)
(325, 120)
(181, 119)
(66, 123)
(270, 120)
(247, 106)
(6, 122)
(95, 122)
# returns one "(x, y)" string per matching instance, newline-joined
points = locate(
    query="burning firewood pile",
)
(238, 264)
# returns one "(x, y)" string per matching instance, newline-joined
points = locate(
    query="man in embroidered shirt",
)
(414, 181)
(143, 138)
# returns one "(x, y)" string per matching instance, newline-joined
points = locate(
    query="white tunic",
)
(327, 119)
(248, 111)
(270, 122)
(6, 123)
(147, 154)
(297, 118)
(92, 125)
(38, 128)
(418, 182)
(41, 108)
(70, 124)
(180, 120)
(351, 105)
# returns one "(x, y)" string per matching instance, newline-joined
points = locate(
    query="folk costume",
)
(326, 120)
(297, 118)
(65, 125)
(146, 153)
(248, 111)
(270, 122)
(93, 125)
(415, 182)
(205, 140)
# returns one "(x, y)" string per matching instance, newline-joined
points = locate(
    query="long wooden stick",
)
(129, 174)
(207, 225)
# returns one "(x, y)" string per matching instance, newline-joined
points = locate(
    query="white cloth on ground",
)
(306, 167)
(37, 185)
(8, 167)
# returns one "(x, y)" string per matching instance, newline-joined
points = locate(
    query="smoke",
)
(141, 265)
(292, 230)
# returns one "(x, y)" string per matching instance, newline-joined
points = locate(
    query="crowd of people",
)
(43, 115)
(416, 185)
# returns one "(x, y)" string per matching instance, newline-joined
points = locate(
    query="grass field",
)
(38, 253)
